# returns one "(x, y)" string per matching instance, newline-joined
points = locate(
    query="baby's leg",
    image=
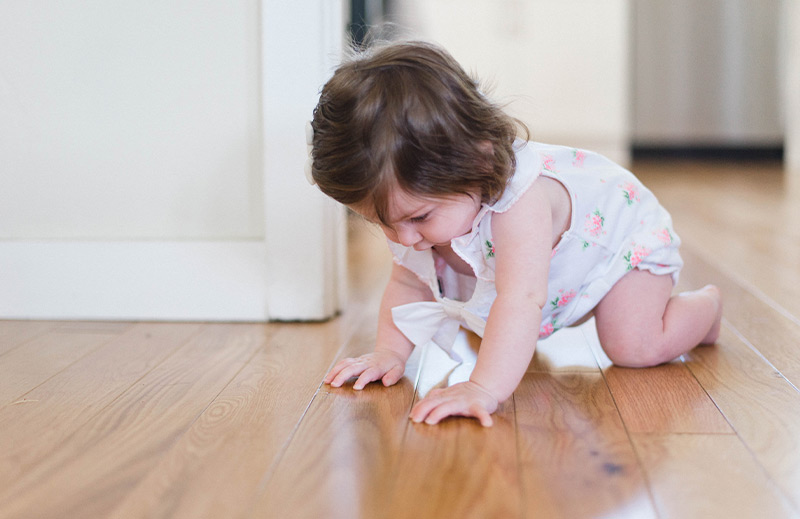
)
(640, 324)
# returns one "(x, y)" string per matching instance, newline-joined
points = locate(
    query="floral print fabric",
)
(617, 225)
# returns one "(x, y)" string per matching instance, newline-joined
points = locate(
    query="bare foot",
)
(713, 334)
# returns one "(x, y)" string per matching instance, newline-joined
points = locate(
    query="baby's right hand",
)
(380, 364)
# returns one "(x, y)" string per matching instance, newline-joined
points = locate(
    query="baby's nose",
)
(408, 237)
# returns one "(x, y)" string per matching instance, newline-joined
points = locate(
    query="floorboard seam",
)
(628, 434)
(750, 451)
(745, 285)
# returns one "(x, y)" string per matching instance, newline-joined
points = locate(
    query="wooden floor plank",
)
(701, 475)
(51, 412)
(774, 333)
(344, 450)
(99, 464)
(15, 333)
(576, 460)
(456, 468)
(664, 398)
(762, 407)
(93, 326)
(459, 469)
(218, 467)
(42, 357)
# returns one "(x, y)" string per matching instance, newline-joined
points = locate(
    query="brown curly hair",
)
(407, 115)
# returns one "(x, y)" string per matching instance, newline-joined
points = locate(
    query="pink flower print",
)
(489, 249)
(635, 256)
(630, 192)
(548, 163)
(578, 156)
(664, 236)
(594, 223)
(564, 299)
(546, 330)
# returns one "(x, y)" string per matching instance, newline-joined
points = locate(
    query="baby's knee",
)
(633, 352)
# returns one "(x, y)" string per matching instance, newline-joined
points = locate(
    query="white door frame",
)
(306, 231)
(295, 272)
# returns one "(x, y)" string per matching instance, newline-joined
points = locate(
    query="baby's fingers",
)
(334, 371)
(441, 412)
(339, 366)
(345, 370)
(393, 376)
(369, 375)
(423, 408)
(481, 414)
(455, 408)
(434, 411)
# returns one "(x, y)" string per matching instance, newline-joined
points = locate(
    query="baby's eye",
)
(420, 218)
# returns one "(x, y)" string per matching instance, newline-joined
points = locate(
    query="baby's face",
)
(424, 222)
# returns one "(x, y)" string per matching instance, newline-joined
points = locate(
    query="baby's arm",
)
(522, 241)
(392, 349)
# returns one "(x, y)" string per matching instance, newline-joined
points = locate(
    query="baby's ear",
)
(486, 147)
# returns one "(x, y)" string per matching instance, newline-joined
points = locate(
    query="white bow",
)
(436, 321)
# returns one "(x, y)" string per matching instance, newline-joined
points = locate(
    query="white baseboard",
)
(209, 281)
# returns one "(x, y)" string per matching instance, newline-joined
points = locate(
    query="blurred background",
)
(630, 78)
(152, 151)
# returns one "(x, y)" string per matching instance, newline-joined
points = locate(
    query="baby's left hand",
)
(462, 399)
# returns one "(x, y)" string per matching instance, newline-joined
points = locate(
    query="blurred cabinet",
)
(707, 73)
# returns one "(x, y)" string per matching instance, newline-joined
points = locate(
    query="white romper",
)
(617, 225)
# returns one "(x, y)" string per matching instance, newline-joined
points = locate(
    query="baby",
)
(511, 239)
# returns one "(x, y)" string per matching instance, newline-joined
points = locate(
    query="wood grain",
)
(459, 469)
(701, 475)
(220, 463)
(760, 404)
(575, 457)
(664, 398)
(456, 467)
(47, 415)
(42, 357)
(95, 467)
(15, 333)
(773, 331)
(344, 451)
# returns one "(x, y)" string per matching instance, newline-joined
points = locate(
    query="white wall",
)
(129, 120)
(151, 160)
(563, 65)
